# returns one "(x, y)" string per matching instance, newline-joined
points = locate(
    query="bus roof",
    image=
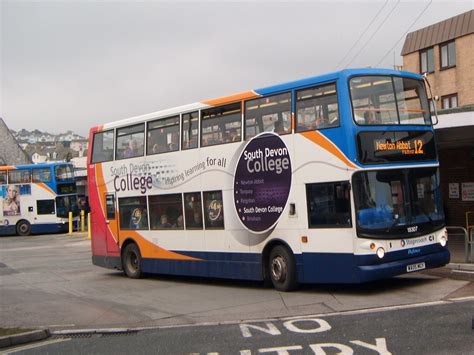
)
(255, 93)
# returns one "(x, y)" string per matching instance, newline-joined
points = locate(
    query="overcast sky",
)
(76, 64)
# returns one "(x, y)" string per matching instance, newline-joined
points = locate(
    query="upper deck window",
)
(19, 176)
(103, 147)
(130, 141)
(268, 114)
(190, 130)
(3, 177)
(221, 125)
(163, 135)
(386, 100)
(41, 175)
(317, 108)
(63, 172)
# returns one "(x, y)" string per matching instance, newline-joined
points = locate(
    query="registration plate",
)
(416, 267)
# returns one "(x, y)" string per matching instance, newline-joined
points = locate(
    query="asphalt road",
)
(431, 329)
(49, 281)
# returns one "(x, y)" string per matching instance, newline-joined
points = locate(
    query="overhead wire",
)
(362, 35)
(403, 36)
(373, 34)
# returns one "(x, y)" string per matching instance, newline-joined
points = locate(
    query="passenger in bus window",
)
(164, 221)
(196, 222)
(369, 117)
(132, 149)
(278, 127)
(138, 219)
(179, 222)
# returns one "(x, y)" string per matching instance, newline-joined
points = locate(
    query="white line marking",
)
(467, 298)
(463, 272)
(35, 345)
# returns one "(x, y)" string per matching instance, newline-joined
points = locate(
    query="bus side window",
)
(130, 142)
(221, 125)
(163, 135)
(133, 213)
(328, 205)
(193, 210)
(110, 206)
(3, 177)
(45, 207)
(166, 211)
(213, 210)
(103, 147)
(317, 108)
(268, 114)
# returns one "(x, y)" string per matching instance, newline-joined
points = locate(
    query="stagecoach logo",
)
(262, 182)
(136, 216)
(214, 210)
(402, 243)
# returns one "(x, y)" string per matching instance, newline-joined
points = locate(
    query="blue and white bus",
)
(37, 199)
(329, 179)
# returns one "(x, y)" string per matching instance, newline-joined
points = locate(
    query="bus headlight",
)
(443, 241)
(380, 252)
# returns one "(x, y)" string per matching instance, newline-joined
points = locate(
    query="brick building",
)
(444, 52)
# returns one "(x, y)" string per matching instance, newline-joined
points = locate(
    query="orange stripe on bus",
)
(150, 250)
(232, 98)
(325, 143)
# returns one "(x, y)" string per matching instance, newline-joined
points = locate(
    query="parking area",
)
(50, 281)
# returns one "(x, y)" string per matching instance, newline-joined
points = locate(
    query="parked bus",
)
(329, 179)
(36, 199)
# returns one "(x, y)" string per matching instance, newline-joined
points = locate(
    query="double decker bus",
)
(329, 179)
(37, 198)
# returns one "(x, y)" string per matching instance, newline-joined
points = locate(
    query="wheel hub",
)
(279, 269)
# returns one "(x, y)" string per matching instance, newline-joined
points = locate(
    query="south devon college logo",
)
(262, 182)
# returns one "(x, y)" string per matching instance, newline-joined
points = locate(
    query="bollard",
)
(88, 226)
(70, 223)
(83, 221)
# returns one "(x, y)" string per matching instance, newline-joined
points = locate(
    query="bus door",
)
(112, 222)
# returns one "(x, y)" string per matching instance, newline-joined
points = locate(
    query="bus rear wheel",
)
(132, 261)
(23, 228)
(282, 269)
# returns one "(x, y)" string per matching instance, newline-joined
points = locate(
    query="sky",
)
(70, 65)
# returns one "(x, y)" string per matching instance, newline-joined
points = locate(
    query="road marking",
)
(34, 346)
(467, 298)
(463, 272)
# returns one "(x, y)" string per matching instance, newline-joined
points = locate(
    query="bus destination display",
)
(395, 146)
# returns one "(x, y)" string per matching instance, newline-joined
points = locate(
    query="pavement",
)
(49, 282)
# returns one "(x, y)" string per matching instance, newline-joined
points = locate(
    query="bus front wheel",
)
(23, 228)
(282, 269)
(131, 261)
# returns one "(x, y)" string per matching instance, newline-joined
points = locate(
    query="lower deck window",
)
(133, 213)
(213, 210)
(328, 205)
(166, 211)
(45, 206)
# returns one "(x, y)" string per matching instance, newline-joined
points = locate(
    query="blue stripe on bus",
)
(312, 267)
(43, 228)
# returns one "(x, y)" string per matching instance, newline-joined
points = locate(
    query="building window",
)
(448, 55)
(328, 205)
(449, 101)
(427, 61)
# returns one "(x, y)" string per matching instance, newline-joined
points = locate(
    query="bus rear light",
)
(380, 252)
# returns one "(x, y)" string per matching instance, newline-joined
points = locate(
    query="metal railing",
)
(458, 231)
